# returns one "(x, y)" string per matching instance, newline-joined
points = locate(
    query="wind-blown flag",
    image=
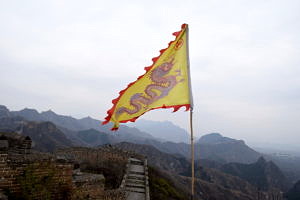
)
(166, 84)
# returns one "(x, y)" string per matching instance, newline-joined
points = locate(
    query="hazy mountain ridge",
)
(290, 165)
(165, 131)
(76, 124)
(4, 112)
(45, 135)
(234, 151)
(95, 138)
(216, 138)
(262, 174)
(294, 192)
(70, 126)
(75, 132)
(211, 146)
(230, 150)
(222, 149)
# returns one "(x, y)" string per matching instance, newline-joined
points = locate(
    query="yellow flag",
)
(166, 84)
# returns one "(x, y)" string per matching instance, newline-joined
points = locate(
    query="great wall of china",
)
(19, 164)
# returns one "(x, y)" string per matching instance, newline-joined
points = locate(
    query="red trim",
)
(115, 101)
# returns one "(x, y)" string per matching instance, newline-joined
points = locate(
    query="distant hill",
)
(4, 112)
(44, 135)
(73, 123)
(222, 150)
(166, 131)
(215, 138)
(70, 126)
(294, 193)
(95, 138)
(290, 165)
(216, 147)
(262, 174)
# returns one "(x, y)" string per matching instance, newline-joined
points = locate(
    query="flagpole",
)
(192, 153)
(191, 116)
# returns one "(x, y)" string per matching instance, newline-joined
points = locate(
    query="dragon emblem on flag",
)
(161, 85)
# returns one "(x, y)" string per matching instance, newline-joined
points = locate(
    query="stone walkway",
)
(135, 181)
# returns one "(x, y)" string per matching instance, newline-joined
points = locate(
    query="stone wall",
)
(30, 175)
(87, 185)
(108, 161)
(95, 156)
(35, 175)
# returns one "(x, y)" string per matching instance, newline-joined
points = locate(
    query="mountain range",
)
(219, 160)
(71, 123)
(71, 126)
(44, 135)
(263, 174)
(165, 131)
(88, 132)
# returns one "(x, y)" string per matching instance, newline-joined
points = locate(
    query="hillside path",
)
(135, 181)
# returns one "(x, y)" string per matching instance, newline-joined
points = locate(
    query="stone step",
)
(135, 196)
(135, 185)
(135, 176)
(135, 181)
(136, 162)
(136, 168)
(134, 159)
(131, 189)
(135, 172)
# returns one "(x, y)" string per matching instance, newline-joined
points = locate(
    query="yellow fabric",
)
(168, 86)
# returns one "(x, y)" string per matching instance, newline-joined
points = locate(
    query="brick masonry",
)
(20, 169)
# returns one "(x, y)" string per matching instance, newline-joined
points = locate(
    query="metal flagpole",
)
(191, 115)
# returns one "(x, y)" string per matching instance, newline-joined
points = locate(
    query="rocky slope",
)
(294, 193)
(95, 138)
(262, 174)
(45, 135)
(216, 147)
(223, 150)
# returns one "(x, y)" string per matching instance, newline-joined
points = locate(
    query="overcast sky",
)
(73, 57)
